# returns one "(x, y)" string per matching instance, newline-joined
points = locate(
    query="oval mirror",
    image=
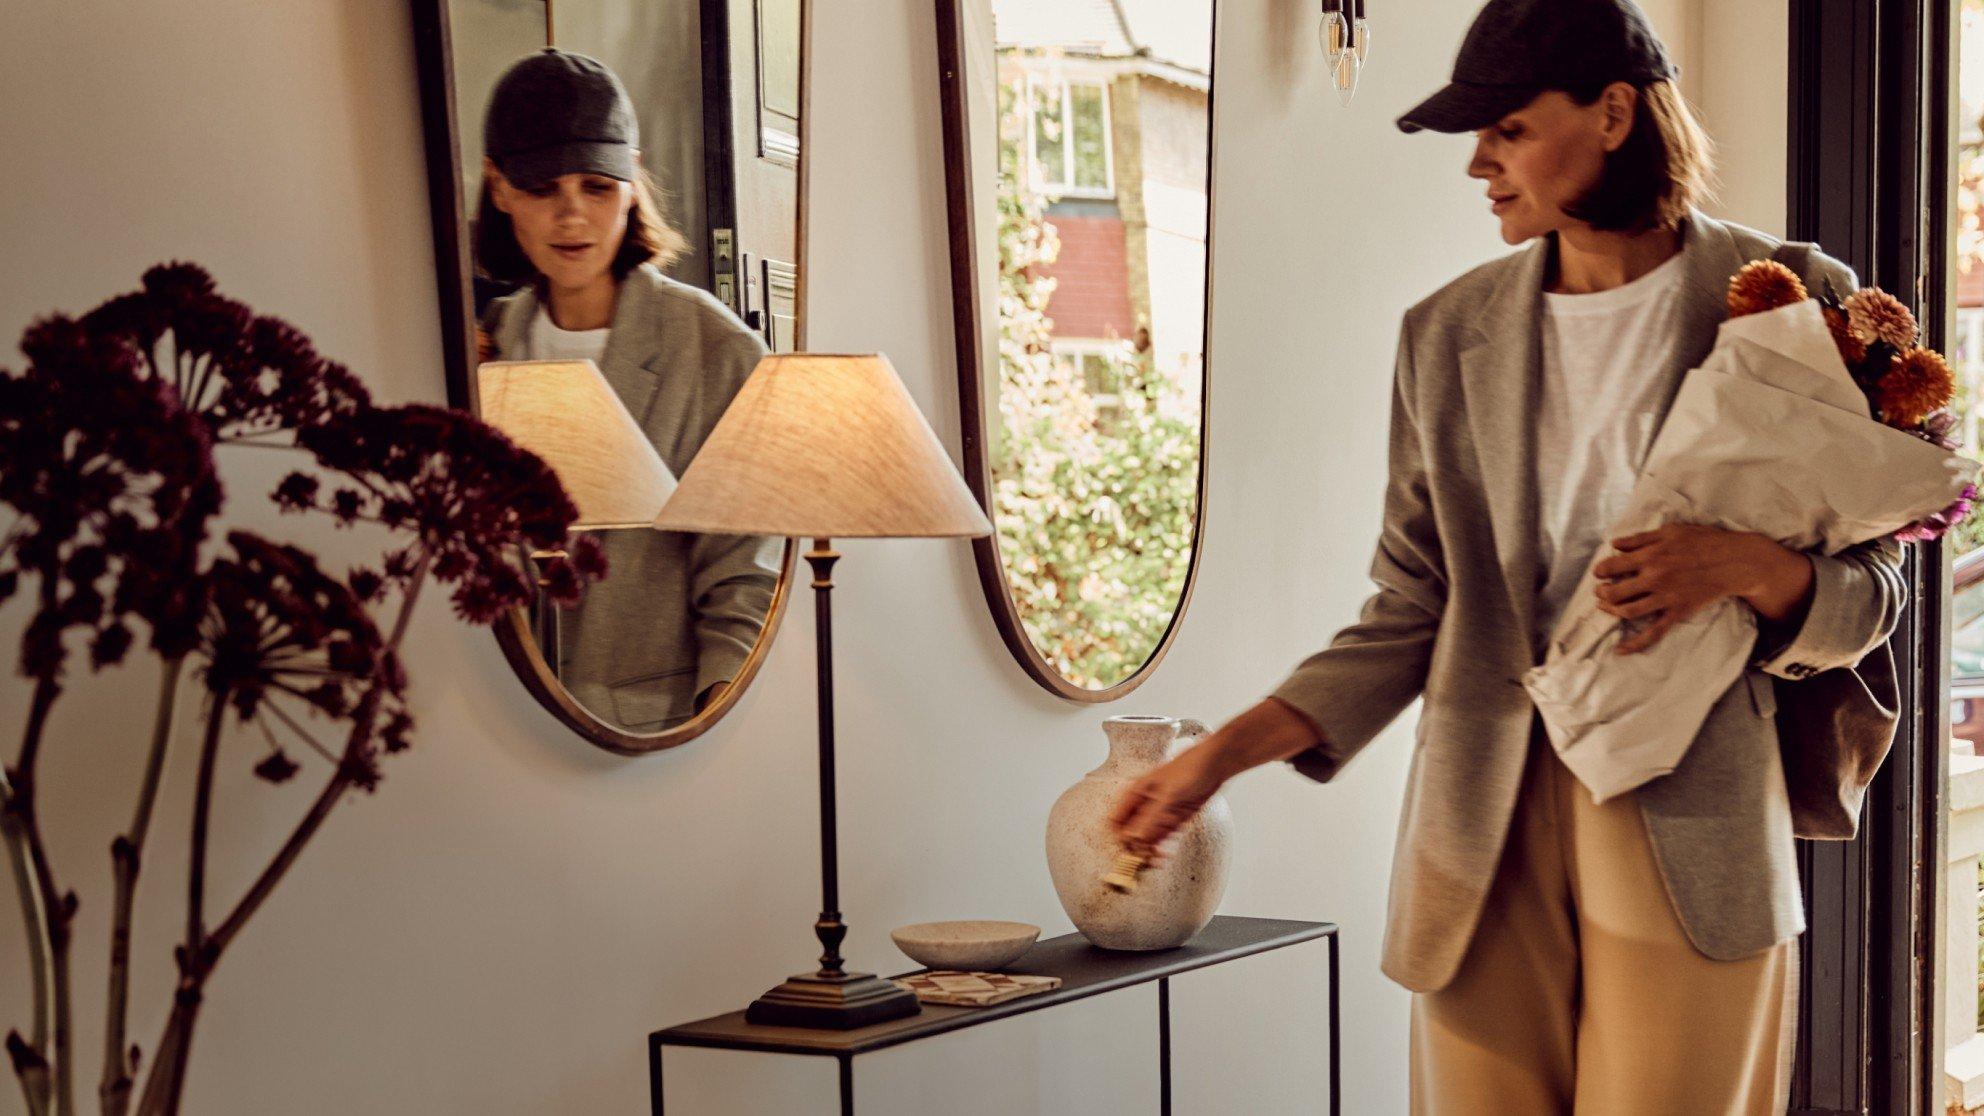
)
(1078, 142)
(616, 195)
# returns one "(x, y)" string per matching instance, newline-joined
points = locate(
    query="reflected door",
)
(751, 119)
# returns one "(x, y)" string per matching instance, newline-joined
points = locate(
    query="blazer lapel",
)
(1709, 256)
(1499, 381)
(633, 343)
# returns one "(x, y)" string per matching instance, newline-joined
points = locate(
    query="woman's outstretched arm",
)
(1338, 699)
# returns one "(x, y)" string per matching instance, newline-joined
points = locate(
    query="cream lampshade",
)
(565, 412)
(824, 445)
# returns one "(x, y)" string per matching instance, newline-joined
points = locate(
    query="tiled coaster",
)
(975, 989)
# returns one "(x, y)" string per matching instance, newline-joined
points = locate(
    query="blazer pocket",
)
(653, 701)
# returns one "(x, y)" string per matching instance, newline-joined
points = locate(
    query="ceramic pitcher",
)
(1174, 899)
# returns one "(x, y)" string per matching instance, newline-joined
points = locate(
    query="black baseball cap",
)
(1519, 48)
(556, 113)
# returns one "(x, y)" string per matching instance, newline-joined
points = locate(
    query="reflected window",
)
(1097, 366)
(1070, 125)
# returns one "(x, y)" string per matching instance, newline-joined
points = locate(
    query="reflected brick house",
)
(1115, 95)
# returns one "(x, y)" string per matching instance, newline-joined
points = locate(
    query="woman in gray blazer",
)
(568, 212)
(1637, 955)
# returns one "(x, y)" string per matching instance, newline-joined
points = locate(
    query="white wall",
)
(498, 929)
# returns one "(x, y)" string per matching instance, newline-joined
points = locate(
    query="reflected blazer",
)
(1452, 621)
(678, 612)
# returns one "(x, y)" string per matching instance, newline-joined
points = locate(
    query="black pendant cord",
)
(830, 928)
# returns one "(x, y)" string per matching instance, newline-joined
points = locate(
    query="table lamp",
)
(565, 412)
(822, 445)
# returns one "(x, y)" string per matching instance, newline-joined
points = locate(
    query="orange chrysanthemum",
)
(1917, 382)
(1879, 316)
(1852, 350)
(1763, 285)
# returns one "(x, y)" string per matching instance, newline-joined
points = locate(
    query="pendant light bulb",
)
(1334, 35)
(1345, 77)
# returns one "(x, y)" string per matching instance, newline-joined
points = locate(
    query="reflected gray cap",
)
(555, 113)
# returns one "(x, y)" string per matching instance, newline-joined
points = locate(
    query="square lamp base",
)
(837, 1001)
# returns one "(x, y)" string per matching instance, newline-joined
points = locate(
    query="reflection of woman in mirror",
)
(1638, 954)
(568, 212)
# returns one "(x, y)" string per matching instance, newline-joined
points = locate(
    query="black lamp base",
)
(838, 1001)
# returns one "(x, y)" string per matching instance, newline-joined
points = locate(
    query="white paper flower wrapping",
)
(1769, 435)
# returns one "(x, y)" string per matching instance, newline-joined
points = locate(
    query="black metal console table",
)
(1084, 971)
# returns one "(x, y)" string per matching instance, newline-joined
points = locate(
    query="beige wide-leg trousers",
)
(1580, 992)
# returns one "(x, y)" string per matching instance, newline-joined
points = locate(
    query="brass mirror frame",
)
(433, 54)
(959, 187)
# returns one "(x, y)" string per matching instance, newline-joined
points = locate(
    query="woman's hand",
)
(1156, 806)
(1666, 575)
(485, 348)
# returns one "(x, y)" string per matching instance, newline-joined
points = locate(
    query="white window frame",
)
(1035, 84)
(1076, 348)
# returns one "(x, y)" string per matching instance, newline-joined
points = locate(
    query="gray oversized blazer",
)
(1452, 621)
(677, 612)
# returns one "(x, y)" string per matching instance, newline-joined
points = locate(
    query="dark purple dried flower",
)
(246, 376)
(474, 500)
(297, 492)
(112, 483)
(589, 556)
(367, 585)
(396, 734)
(278, 625)
(276, 767)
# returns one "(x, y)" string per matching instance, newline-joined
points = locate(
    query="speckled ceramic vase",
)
(1175, 899)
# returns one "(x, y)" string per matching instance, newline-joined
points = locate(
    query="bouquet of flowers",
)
(1817, 422)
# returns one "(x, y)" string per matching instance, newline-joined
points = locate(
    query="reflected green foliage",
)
(1094, 519)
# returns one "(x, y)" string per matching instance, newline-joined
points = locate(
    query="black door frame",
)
(1869, 179)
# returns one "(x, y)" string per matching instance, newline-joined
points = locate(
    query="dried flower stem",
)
(47, 915)
(30, 1056)
(126, 855)
(166, 1081)
(203, 801)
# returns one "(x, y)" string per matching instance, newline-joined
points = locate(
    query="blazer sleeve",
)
(1857, 594)
(1373, 669)
(730, 589)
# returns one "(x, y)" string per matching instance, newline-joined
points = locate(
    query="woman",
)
(1639, 955)
(567, 210)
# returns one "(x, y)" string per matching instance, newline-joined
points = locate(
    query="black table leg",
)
(846, 1086)
(654, 1075)
(1164, 1045)
(1336, 1068)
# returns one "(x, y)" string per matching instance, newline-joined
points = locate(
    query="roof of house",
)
(1176, 32)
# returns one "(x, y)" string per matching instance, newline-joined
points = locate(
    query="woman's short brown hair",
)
(1664, 167)
(648, 239)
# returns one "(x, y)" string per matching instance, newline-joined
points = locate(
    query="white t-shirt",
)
(1606, 377)
(548, 342)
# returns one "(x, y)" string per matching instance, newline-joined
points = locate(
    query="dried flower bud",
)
(1852, 350)
(1879, 316)
(1763, 285)
(1918, 382)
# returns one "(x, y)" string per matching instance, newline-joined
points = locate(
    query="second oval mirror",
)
(1078, 142)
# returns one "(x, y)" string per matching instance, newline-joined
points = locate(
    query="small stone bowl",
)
(965, 946)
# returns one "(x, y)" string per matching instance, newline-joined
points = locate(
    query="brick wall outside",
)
(1091, 296)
